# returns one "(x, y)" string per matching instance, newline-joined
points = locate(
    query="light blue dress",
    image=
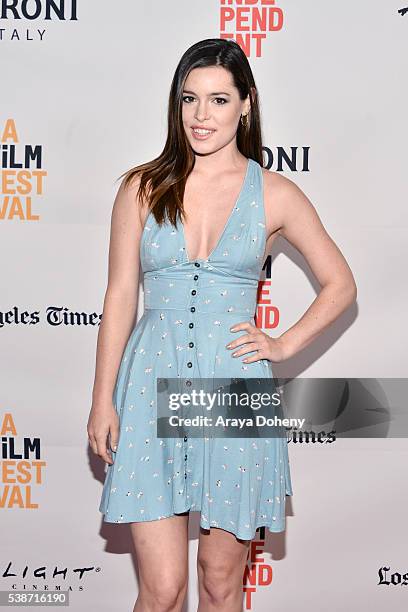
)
(237, 484)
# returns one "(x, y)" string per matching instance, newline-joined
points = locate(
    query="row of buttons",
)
(191, 344)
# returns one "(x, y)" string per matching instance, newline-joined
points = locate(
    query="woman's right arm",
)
(118, 318)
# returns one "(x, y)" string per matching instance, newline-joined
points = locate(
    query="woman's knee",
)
(219, 581)
(164, 593)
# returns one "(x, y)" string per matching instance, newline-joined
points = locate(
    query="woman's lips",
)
(202, 136)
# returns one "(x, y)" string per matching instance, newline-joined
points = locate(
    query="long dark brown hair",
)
(162, 180)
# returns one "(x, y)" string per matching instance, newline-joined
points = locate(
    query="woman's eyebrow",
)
(214, 93)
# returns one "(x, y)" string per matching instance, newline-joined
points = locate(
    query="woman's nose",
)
(201, 113)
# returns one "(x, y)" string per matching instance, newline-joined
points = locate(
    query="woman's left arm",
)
(302, 227)
(295, 218)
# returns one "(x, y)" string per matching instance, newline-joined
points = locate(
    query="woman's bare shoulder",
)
(128, 197)
(278, 184)
(283, 198)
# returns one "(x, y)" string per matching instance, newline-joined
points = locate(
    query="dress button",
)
(195, 276)
(185, 457)
(189, 365)
(185, 438)
(185, 475)
(191, 325)
(192, 309)
(193, 292)
(188, 383)
(197, 265)
(191, 344)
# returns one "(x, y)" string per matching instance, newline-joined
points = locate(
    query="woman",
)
(200, 283)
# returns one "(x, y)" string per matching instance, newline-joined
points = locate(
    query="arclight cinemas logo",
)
(18, 14)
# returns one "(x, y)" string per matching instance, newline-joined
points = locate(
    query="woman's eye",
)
(220, 101)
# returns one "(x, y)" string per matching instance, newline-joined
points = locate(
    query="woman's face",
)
(211, 105)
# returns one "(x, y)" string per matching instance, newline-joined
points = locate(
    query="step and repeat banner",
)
(84, 90)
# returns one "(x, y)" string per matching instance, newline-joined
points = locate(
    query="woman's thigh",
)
(162, 552)
(221, 560)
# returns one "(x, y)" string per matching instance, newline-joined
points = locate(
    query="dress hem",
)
(277, 527)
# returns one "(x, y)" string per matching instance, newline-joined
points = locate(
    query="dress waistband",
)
(202, 296)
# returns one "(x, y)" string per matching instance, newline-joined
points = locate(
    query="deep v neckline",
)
(217, 245)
